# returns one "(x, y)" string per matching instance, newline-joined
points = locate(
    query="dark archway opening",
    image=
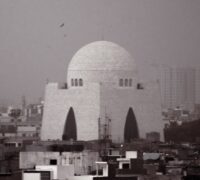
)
(131, 129)
(70, 131)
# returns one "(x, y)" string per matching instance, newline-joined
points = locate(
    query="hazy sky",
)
(39, 37)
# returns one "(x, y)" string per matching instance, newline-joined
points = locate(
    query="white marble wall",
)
(95, 100)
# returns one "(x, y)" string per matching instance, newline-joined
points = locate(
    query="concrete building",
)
(197, 86)
(33, 110)
(83, 162)
(102, 98)
(27, 131)
(179, 87)
(15, 123)
(49, 172)
(8, 130)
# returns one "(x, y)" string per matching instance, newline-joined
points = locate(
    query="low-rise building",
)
(84, 162)
(27, 131)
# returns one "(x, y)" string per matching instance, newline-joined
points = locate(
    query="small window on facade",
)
(70, 160)
(121, 82)
(126, 82)
(72, 82)
(140, 86)
(130, 82)
(76, 82)
(64, 86)
(80, 82)
(125, 166)
(53, 162)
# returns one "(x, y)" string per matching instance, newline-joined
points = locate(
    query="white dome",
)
(101, 61)
(102, 55)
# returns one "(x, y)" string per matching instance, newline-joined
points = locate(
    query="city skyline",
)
(37, 44)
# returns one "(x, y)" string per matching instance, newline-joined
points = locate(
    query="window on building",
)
(71, 160)
(64, 86)
(76, 82)
(72, 82)
(126, 82)
(53, 162)
(125, 166)
(80, 82)
(130, 82)
(121, 82)
(140, 86)
(89, 169)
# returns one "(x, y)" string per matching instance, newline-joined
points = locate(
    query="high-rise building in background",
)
(197, 86)
(179, 87)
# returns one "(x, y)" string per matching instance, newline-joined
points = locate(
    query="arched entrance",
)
(130, 128)
(70, 130)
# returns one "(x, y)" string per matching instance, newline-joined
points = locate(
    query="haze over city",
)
(39, 38)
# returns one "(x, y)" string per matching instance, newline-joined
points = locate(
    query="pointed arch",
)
(130, 128)
(70, 130)
(80, 82)
(121, 82)
(126, 82)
